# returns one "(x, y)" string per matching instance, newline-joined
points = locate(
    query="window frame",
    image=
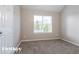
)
(42, 23)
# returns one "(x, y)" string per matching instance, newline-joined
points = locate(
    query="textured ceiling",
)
(53, 8)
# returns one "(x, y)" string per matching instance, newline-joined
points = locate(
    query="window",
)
(42, 24)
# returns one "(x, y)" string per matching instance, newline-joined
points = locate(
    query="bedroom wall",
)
(16, 25)
(70, 24)
(27, 25)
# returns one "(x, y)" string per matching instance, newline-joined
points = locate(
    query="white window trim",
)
(43, 32)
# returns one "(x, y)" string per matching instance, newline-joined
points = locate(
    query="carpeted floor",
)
(48, 47)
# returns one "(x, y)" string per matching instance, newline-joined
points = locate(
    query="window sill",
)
(42, 32)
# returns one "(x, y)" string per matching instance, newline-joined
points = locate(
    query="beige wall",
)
(70, 23)
(27, 25)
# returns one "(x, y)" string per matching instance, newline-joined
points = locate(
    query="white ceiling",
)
(53, 8)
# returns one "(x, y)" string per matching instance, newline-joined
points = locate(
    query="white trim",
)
(39, 39)
(74, 43)
(17, 46)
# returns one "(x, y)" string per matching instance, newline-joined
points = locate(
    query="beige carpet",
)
(48, 47)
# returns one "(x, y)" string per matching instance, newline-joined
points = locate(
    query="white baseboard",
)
(18, 44)
(13, 52)
(74, 43)
(39, 39)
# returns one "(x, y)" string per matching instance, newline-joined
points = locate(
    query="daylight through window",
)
(42, 24)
